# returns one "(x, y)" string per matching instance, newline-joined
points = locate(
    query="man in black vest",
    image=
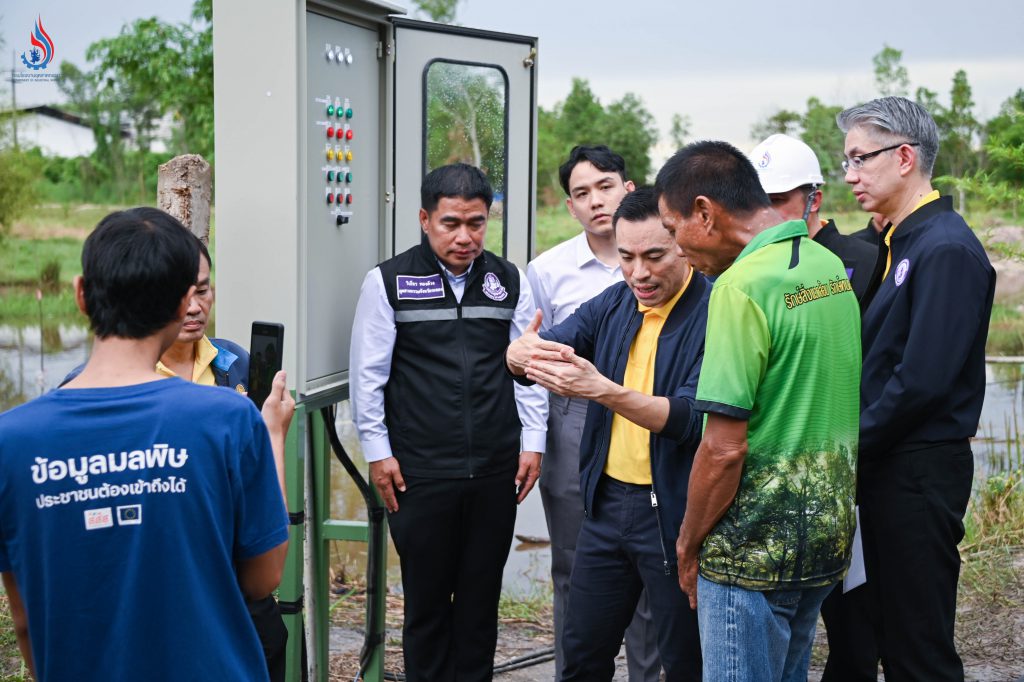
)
(439, 420)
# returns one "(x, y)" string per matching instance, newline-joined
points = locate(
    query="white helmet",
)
(784, 163)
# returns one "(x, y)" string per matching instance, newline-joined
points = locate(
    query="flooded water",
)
(33, 361)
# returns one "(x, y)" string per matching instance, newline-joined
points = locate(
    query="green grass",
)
(1005, 331)
(12, 667)
(19, 307)
(21, 260)
(48, 217)
(532, 605)
(554, 226)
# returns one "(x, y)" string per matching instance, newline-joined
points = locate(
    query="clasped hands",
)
(553, 365)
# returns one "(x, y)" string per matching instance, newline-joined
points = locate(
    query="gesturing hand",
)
(530, 346)
(567, 375)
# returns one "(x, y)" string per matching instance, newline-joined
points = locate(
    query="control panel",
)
(343, 133)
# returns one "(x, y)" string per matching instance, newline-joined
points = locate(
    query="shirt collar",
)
(206, 353)
(452, 277)
(666, 308)
(779, 233)
(928, 198)
(585, 255)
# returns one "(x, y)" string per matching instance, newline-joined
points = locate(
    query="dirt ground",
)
(1009, 271)
(989, 631)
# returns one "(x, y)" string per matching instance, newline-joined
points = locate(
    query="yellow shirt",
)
(926, 199)
(629, 449)
(202, 373)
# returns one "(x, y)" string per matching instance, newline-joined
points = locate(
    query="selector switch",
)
(341, 220)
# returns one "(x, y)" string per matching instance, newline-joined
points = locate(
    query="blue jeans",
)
(750, 636)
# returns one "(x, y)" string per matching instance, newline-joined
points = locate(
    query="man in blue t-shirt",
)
(132, 526)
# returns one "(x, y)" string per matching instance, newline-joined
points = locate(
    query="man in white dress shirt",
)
(594, 180)
(440, 420)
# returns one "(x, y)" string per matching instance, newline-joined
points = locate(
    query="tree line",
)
(153, 69)
(984, 160)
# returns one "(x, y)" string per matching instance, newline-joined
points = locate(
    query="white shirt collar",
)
(585, 255)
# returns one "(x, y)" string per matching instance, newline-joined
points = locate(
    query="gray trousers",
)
(563, 510)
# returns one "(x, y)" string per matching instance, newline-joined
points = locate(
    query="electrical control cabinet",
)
(327, 116)
(343, 131)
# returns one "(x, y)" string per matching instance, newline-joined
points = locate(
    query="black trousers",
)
(852, 650)
(266, 616)
(619, 553)
(453, 537)
(912, 506)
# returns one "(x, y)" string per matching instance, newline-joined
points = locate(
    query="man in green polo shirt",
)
(770, 520)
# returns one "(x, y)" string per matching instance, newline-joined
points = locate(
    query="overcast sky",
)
(724, 63)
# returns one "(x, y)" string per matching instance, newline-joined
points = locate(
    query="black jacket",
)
(449, 404)
(602, 331)
(859, 258)
(924, 336)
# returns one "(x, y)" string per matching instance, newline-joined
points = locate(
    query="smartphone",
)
(264, 359)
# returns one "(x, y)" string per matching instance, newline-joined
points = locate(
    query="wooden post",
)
(184, 189)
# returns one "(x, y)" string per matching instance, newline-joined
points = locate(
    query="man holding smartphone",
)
(133, 504)
(439, 421)
(218, 362)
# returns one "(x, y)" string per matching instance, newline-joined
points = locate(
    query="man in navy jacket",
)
(635, 352)
(921, 388)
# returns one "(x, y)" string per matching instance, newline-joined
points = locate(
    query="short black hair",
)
(454, 180)
(713, 169)
(599, 156)
(205, 252)
(137, 265)
(637, 206)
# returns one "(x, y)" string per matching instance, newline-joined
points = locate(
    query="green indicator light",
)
(330, 110)
(348, 113)
(348, 177)
(330, 176)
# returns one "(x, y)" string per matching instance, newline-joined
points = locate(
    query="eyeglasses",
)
(857, 162)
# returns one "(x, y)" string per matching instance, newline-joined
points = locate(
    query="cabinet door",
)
(466, 95)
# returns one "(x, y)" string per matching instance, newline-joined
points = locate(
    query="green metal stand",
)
(308, 443)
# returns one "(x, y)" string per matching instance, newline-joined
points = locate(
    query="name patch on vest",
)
(419, 287)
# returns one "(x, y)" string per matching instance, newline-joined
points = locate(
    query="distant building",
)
(59, 133)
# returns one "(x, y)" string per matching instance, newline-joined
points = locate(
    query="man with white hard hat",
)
(791, 177)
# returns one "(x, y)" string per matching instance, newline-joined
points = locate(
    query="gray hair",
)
(893, 119)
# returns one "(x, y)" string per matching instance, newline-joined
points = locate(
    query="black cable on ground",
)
(524, 661)
(375, 513)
